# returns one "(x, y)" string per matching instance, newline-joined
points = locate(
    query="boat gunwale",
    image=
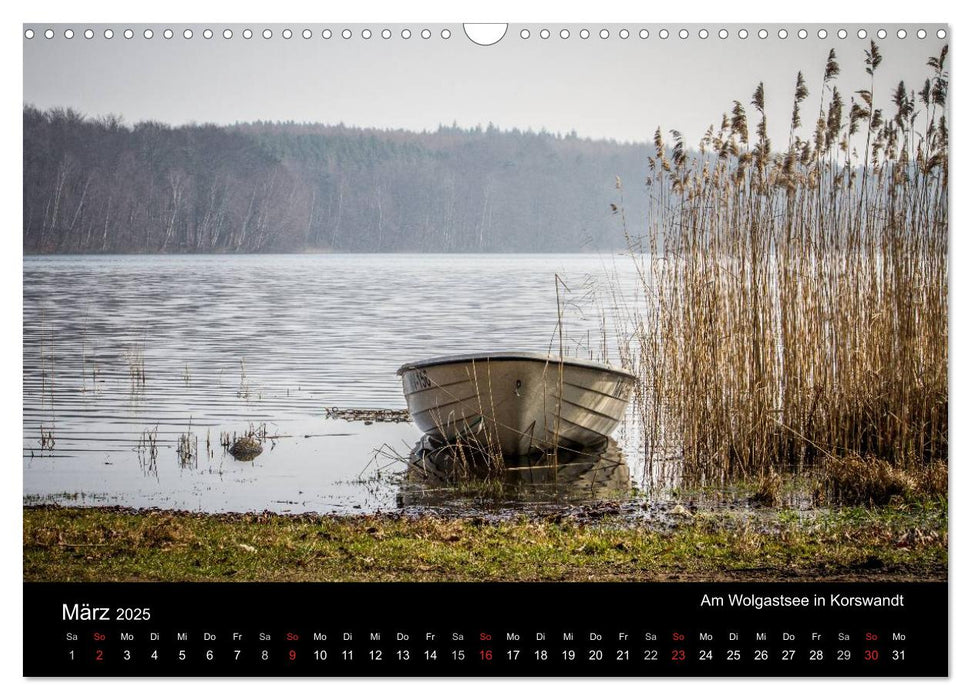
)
(512, 357)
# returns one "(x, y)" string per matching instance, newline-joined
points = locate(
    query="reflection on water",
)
(446, 475)
(128, 361)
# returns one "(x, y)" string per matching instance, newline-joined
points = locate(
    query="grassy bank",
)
(906, 542)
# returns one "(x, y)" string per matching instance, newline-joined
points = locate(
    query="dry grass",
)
(187, 450)
(135, 358)
(863, 481)
(871, 481)
(796, 299)
(932, 480)
(769, 491)
(147, 450)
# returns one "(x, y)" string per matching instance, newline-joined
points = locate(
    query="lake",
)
(126, 355)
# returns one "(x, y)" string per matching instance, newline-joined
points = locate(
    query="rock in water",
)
(246, 448)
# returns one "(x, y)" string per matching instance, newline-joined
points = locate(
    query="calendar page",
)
(416, 349)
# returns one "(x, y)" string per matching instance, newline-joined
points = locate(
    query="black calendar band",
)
(485, 629)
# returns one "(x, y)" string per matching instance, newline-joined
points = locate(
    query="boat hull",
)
(516, 404)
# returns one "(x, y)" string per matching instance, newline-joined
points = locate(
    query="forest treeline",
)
(95, 185)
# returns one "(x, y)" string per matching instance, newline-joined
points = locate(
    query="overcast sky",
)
(614, 88)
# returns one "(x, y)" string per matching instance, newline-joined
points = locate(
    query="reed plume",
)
(796, 301)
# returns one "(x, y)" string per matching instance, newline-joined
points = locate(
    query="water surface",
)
(123, 353)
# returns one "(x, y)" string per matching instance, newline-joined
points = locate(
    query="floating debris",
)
(369, 415)
(246, 448)
(249, 445)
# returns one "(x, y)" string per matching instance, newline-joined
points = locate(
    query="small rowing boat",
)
(516, 402)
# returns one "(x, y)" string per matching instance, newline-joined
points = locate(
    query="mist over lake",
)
(96, 185)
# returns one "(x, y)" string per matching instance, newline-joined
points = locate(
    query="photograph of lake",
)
(341, 303)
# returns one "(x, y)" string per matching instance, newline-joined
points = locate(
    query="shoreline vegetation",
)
(906, 542)
(796, 300)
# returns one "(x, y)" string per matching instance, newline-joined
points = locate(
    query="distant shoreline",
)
(96, 185)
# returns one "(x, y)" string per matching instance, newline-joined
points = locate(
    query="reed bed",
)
(796, 300)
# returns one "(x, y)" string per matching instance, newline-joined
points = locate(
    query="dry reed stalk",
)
(797, 300)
